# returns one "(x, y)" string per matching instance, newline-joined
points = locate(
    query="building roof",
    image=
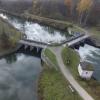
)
(87, 66)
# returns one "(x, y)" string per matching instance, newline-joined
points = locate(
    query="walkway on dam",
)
(33, 43)
(77, 40)
(70, 42)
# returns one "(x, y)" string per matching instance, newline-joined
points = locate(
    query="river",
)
(19, 72)
(35, 31)
(92, 55)
(18, 77)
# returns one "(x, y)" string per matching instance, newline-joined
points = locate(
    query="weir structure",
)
(26, 43)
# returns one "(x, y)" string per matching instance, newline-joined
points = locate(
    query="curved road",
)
(68, 75)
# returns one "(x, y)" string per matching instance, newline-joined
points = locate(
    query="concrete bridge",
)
(32, 44)
(77, 40)
(41, 45)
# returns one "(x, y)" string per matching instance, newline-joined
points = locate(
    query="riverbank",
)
(9, 51)
(57, 24)
(9, 36)
(41, 20)
(91, 86)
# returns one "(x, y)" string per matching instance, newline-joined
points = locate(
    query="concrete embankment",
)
(41, 20)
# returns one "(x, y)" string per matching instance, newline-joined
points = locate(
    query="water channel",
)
(19, 72)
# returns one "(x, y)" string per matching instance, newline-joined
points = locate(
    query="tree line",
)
(84, 9)
(85, 12)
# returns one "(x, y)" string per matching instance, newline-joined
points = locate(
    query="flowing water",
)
(92, 55)
(36, 32)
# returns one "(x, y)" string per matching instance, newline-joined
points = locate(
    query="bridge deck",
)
(44, 45)
(34, 44)
(71, 43)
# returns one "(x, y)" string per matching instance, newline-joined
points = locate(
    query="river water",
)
(92, 55)
(18, 77)
(19, 72)
(35, 31)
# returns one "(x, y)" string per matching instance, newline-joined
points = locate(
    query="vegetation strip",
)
(71, 59)
(48, 53)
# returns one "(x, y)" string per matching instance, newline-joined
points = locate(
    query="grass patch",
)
(71, 59)
(12, 34)
(52, 86)
(48, 53)
(91, 86)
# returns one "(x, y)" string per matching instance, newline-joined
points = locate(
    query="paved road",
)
(69, 76)
(77, 40)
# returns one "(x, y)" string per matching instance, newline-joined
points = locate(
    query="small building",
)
(85, 70)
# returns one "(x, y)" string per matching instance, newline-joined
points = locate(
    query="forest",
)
(84, 12)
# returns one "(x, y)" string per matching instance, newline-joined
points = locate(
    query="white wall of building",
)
(84, 73)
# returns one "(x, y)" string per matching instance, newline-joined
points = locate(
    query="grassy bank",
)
(91, 86)
(71, 59)
(48, 21)
(53, 86)
(48, 53)
(9, 36)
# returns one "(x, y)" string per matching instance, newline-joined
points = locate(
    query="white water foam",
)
(3, 16)
(36, 32)
(87, 51)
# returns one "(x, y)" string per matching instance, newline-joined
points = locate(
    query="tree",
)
(69, 4)
(83, 8)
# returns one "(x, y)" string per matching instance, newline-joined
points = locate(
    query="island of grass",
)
(8, 37)
(51, 56)
(53, 86)
(71, 59)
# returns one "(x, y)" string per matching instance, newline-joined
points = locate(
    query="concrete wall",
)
(84, 73)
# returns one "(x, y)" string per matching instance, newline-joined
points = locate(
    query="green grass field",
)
(48, 53)
(53, 86)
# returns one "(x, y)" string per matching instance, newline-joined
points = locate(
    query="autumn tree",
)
(69, 4)
(83, 8)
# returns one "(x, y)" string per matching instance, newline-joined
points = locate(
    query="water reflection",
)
(11, 59)
(18, 77)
